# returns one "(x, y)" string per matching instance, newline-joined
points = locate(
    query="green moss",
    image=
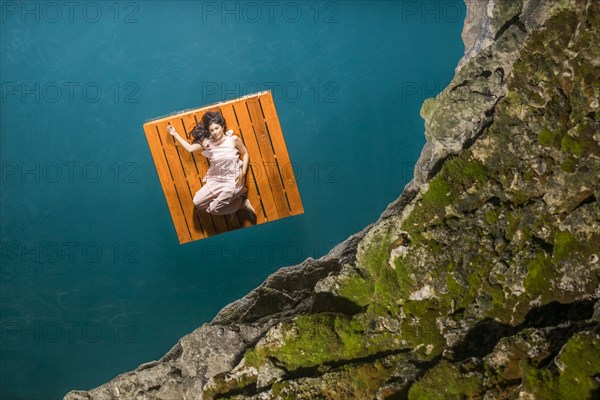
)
(565, 246)
(358, 290)
(347, 382)
(419, 327)
(466, 170)
(572, 146)
(455, 289)
(581, 360)
(479, 283)
(512, 308)
(350, 334)
(253, 358)
(316, 342)
(518, 197)
(504, 11)
(586, 131)
(418, 308)
(366, 380)
(232, 397)
(434, 246)
(446, 381)
(580, 363)
(540, 271)
(361, 382)
(450, 267)
(491, 217)
(497, 293)
(385, 290)
(514, 221)
(221, 386)
(456, 176)
(549, 138)
(569, 165)
(280, 387)
(471, 281)
(377, 254)
(404, 279)
(439, 195)
(312, 340)
(524, 237)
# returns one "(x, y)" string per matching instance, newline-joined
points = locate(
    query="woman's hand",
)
(189, 147)
(240, 178)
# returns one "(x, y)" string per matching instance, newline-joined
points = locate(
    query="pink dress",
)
(220, 195)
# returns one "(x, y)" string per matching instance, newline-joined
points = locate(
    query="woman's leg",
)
(246, 205)
(203, 197)
(228, 200)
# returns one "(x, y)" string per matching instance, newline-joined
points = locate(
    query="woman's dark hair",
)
(200, 131)
(213, 117)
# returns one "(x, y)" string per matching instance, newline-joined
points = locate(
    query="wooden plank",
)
(251, 184)
(208, 107)
(191, 178)
(182, 124)
(204, 220)
(266, 151)
(181, 184)
(260, 194)
(260, 172)
(167, 184)
(283, 158)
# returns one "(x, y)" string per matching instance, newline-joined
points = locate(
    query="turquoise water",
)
(94, 281)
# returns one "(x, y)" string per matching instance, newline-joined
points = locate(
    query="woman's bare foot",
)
(246, 205)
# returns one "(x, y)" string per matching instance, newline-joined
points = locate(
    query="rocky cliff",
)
(480, 281)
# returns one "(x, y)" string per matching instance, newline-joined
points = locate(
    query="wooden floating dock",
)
(270, 180)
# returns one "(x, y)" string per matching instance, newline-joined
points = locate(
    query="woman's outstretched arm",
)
(189, 147)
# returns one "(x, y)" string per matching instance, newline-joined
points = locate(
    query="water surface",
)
(94, 281)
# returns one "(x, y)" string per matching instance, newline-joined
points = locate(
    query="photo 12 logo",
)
(419, 91)
(70, 92)
(69, 11)
(270, 11)
(20, 331)
(66, 252)
(436, 11)
(291, 92)
(26, 172)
